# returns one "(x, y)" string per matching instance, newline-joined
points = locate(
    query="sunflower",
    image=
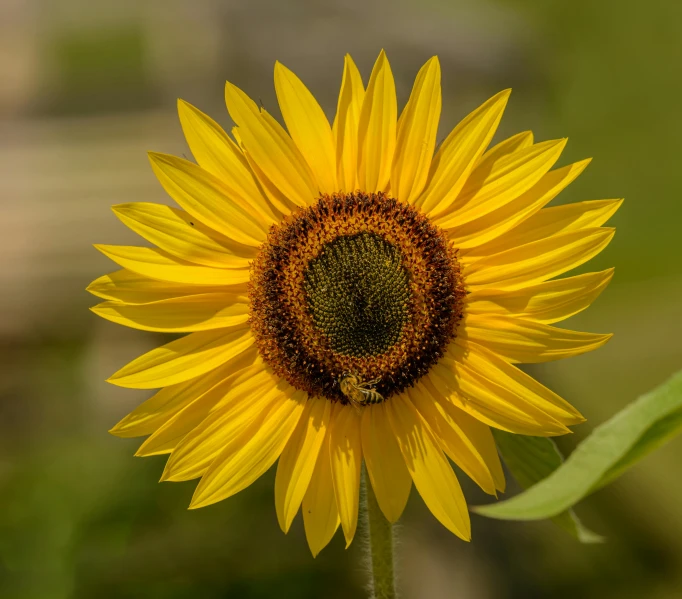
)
(352, 294)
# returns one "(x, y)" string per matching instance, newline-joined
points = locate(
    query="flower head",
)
(351, 293)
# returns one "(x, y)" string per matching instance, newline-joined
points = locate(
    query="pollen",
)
(357, 283)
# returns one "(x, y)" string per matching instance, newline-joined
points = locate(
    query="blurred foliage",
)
(101, 71)
(81, 518)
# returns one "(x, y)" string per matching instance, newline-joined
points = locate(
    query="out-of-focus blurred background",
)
(86, 88)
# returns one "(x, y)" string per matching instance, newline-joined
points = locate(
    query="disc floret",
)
(357, 283)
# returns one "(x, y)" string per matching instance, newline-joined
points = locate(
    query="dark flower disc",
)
(356, 284)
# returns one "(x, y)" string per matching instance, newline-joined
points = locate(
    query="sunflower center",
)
(355, 297)
(358, 293)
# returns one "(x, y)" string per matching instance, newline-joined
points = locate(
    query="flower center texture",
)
(358, 294)
(357, 284)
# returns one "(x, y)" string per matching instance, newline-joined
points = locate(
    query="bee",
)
(358, 392)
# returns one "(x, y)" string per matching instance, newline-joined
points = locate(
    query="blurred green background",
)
(87, 88)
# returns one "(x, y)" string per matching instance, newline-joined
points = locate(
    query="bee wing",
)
(357, 405)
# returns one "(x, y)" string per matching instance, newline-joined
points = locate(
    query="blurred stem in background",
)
(380, 545)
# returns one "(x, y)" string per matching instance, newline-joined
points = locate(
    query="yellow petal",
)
(546, 302)
(504, 148)
(510, 214)
(210, 200)
(537, 261)
(476, 431)
(157, 264)
(345, 450)
(525, 341)
(217, 418)
(183, 236)
(458, 154)
(452, 438)
(320, 515)
(482, 438)
(487, 364)
(377, 129)
(249, 456)
(216, 153)
(489, 189)
(385, 465)
(308, 127)
(429, 468)
(269, 189)
(130, 288)
(238, 138)
(345, 129)
(491, 403)
(230, 389)
(296, 465)
(482, 379)
(165, 403)
(548, 222)
(271, 148)
(184, 358)
(186, 314)
(416, 137)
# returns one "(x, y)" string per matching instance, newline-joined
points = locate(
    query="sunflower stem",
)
(380, 546)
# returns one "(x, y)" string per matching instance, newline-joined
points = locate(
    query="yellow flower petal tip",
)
(141, 454)
(503, 95)
(184, 105)
(284, 231)
(199, 502)
(160, 157)
(115, 431)
(559, 144)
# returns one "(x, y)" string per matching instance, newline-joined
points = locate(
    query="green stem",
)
(380, 550)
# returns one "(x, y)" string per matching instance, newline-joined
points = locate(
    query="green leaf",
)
(612, 448)
(661, 432)
(531, 459)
